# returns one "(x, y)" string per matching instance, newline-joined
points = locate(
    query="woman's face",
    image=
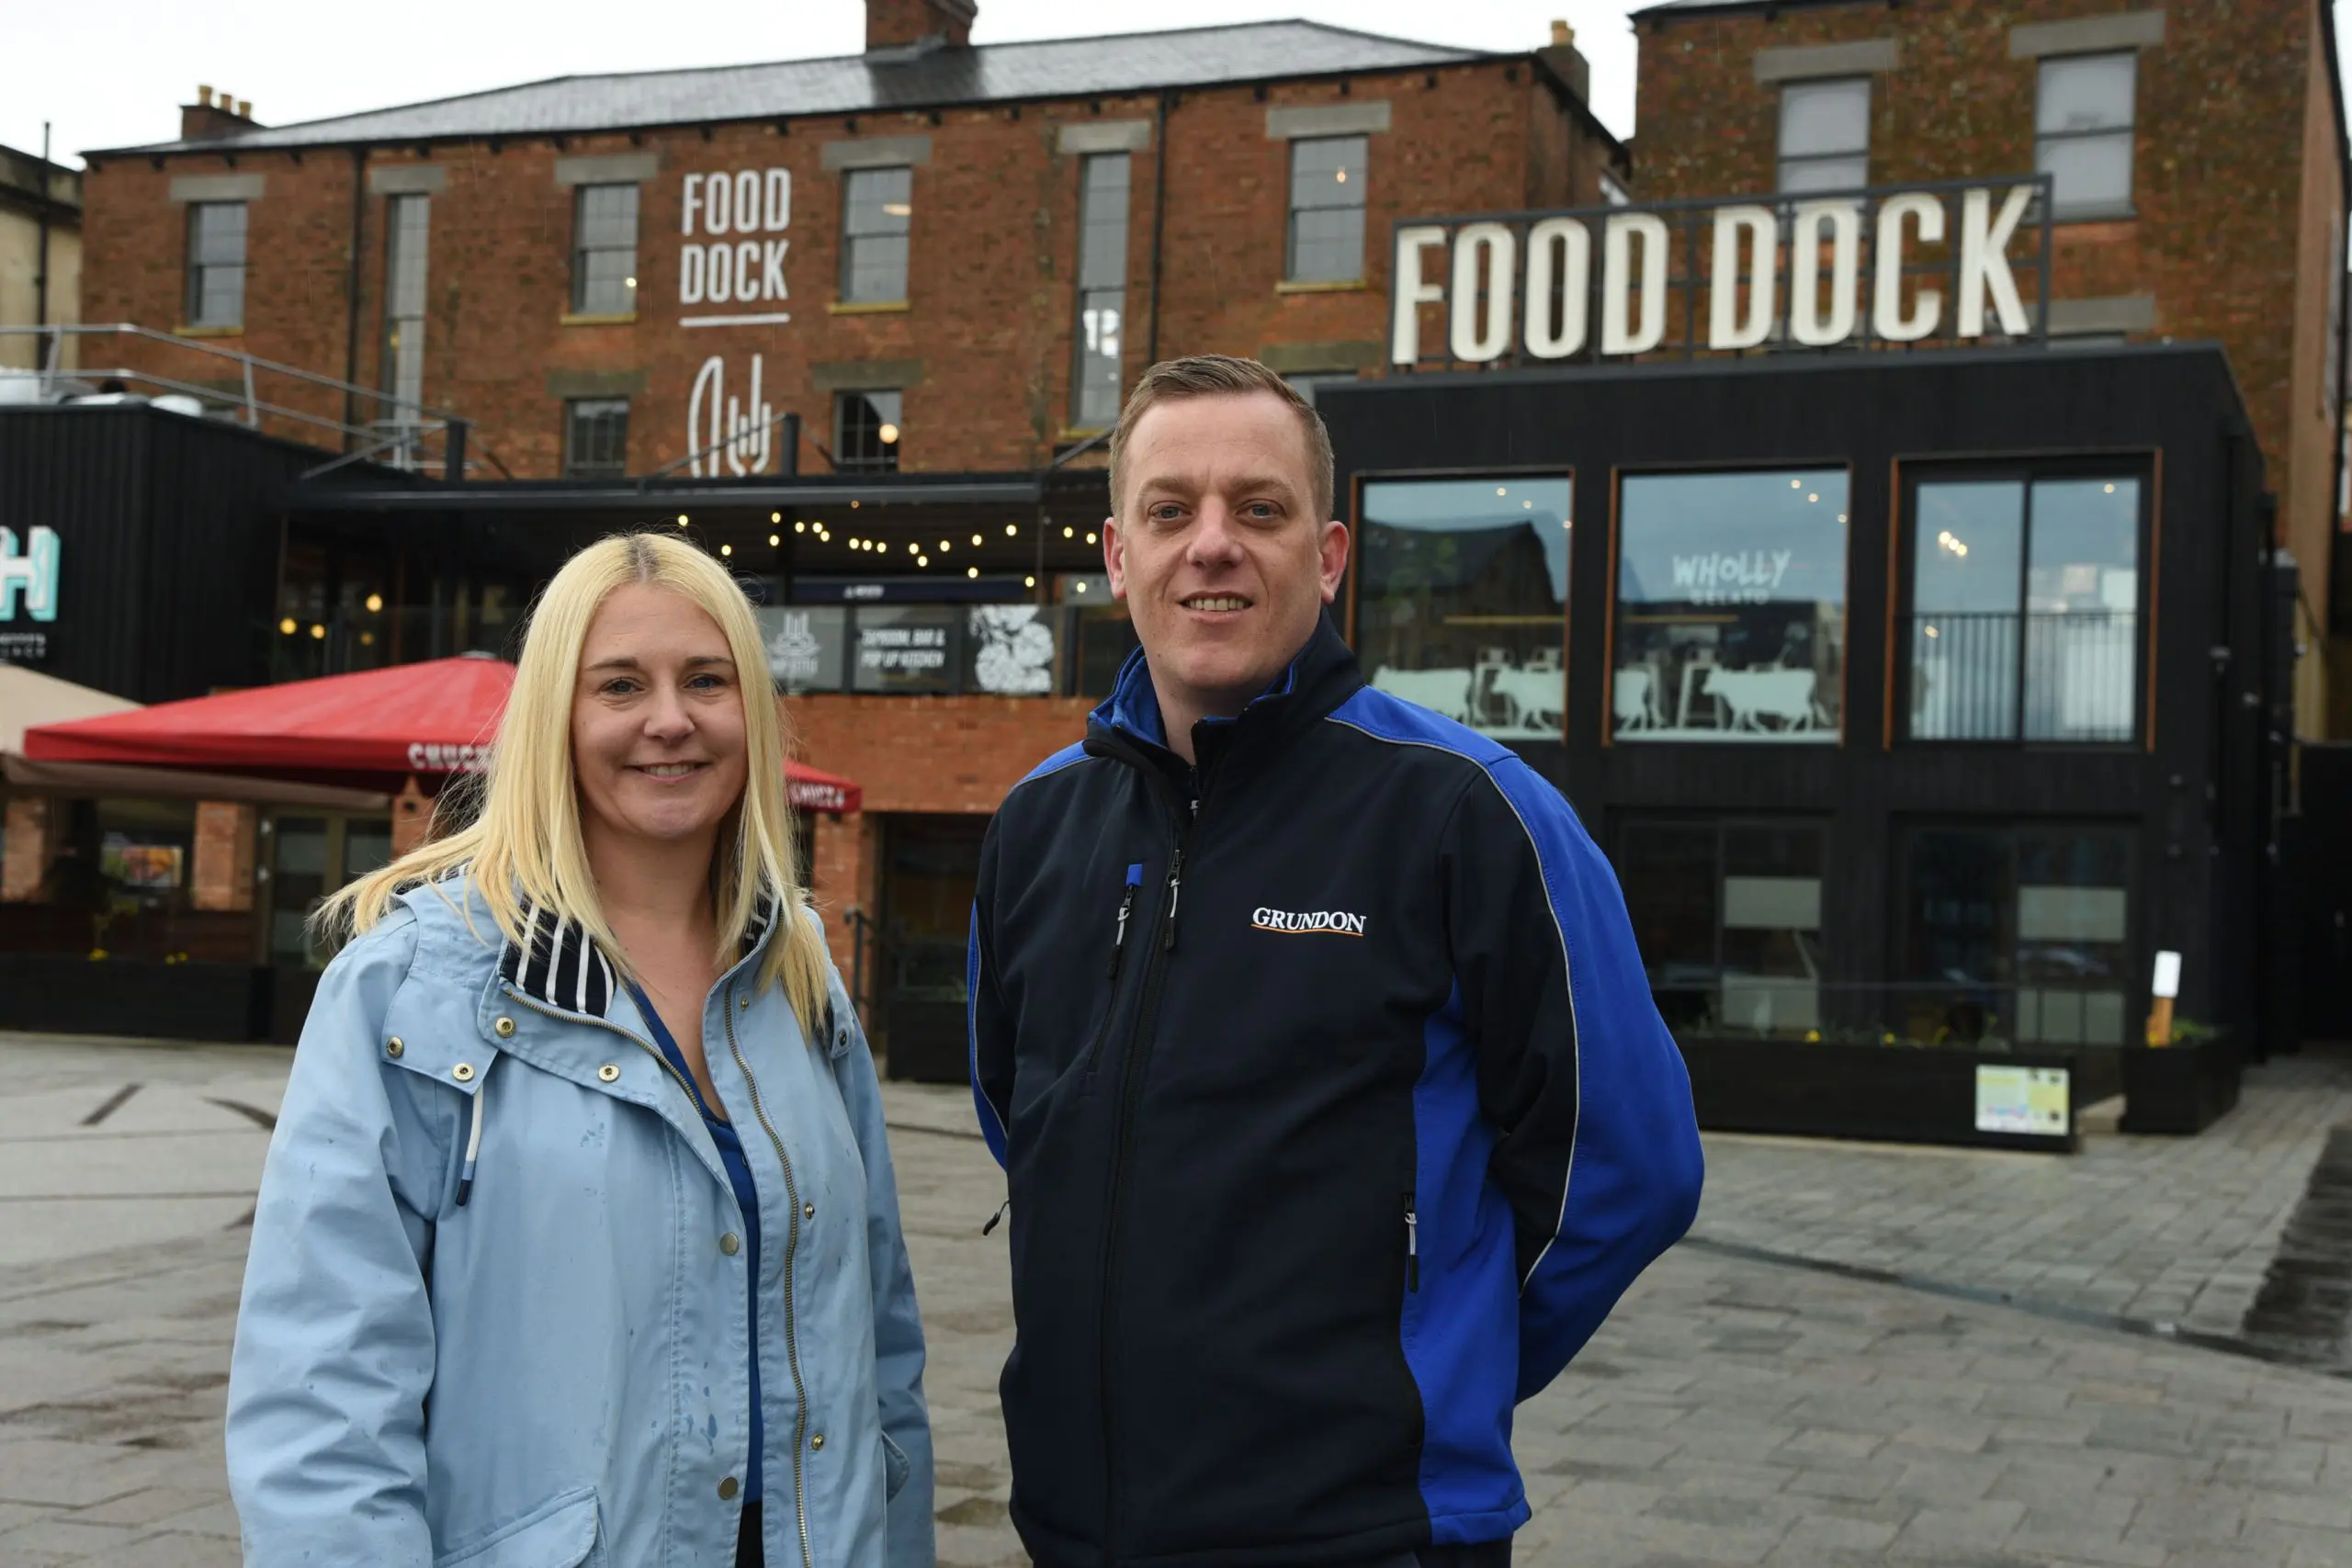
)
(657, 719)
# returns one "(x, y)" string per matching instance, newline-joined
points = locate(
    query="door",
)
(931, 866)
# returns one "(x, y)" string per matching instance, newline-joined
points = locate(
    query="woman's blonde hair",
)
(525, 845)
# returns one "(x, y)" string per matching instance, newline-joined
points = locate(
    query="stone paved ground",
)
(1732, 1410)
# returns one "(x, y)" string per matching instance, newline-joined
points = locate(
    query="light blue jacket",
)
(495, 1312)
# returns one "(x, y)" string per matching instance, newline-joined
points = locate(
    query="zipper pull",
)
(1175, 886)
(1127, 908)
(989, 1229)
(1412, 1248)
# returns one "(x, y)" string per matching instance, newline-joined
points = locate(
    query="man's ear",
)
(1115, 558)
(1332, 548)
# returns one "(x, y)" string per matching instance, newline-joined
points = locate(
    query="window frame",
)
(1089, 294)
(575, 410)
(1783, 160)
(2061, 210)
(893, 451)
(1360, 205)
(2138, 467)
(399, 411)
(853, 238)
(1625, 824)
(199, 269)
(581, 249)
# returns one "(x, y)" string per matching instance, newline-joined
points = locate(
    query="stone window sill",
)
(599, 319)
(869, 308)
(186, 331)
(1340, 285)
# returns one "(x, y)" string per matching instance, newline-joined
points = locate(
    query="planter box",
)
(1903, 1094)
(2180, 1088)
(56, 994)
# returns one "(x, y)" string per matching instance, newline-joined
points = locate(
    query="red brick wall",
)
(2235, 181)
(992, 299)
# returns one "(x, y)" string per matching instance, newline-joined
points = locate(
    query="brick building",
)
(844, 313)
(2202, 140)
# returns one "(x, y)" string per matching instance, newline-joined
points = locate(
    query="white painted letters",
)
(1806, 322)
(1559, 260)
(1617, 334)
(1985, 260)
(1886, 311)
(740, 271)
(1410, 293)
(1747, 240)
(1483, 251)
(741, 430)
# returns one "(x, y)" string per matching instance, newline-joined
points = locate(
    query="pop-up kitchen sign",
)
(1955, 262)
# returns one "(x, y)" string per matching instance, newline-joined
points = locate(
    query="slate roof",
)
(936, 77)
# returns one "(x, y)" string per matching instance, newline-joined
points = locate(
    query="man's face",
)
(1217, 547)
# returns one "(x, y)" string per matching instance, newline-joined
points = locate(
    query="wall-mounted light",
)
(287, 626)
(375, 603)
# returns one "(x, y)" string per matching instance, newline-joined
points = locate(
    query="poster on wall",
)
(2028, 1100)
(150, 868)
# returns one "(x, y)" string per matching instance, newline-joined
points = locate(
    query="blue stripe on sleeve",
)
(992, 1124)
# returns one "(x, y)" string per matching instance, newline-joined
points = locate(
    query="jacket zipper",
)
(1412, 1246)
(1093, 1057)
(792, 1196)
(1138, 1053)
(791, 1246)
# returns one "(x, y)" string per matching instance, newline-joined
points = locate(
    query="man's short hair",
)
(1216, 375)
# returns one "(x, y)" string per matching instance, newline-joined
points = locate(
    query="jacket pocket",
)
(559, 1534)
(896, 1468)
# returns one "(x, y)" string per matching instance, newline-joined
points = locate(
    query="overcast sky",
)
(114, 75)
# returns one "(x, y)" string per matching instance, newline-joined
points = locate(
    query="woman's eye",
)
(619, 687)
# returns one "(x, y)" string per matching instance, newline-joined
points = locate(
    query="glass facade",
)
(2024, 612)
(877, 210)
(1730, 619)
(1326, 200)
(1727, 916)
(604, 254)
(1461, 595)
(216, 264)
(1102, 289)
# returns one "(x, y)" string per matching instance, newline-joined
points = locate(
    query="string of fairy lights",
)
(919, 550)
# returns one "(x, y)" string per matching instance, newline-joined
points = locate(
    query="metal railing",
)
(2070, 675)
(1977, 1015)
(397, 433)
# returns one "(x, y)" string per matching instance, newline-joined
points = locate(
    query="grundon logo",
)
(1338, 921)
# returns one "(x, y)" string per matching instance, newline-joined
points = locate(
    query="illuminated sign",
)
(1862, 269)
(29, 580)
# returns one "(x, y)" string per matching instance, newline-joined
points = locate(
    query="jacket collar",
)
(1322, 675)
(560, 967)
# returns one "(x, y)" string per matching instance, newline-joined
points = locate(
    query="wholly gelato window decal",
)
(1731, 606)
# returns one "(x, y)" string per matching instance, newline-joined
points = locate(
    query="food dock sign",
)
(1951, 262)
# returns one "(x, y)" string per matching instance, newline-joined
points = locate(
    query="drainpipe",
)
(40, 278)
(351, 295)
(1159, 223)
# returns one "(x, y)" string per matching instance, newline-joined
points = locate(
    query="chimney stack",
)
(916, 24)
(214, 114)
(1567, 61)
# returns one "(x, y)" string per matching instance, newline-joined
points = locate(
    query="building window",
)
(604, 251)
(216, 264)
(866, 432)
(2082, 132)
(1727, 916)
(595, 438)
(1461, 597)
(1327, 195)
(2016, 934)
(406, 227)
(1826, 135)
(2024, 612)
(1613, 190)
(1730, 620)
(876, 205)
(1102, 288)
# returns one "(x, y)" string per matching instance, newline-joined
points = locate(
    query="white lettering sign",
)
(30, 579)
(435, 757)
(744, 270)
(740, 430)
(1748, 577)
(1827, 302)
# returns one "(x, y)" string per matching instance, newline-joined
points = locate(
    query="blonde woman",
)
(577, 1241)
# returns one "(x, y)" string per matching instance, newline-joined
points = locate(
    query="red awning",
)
(434, 717)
